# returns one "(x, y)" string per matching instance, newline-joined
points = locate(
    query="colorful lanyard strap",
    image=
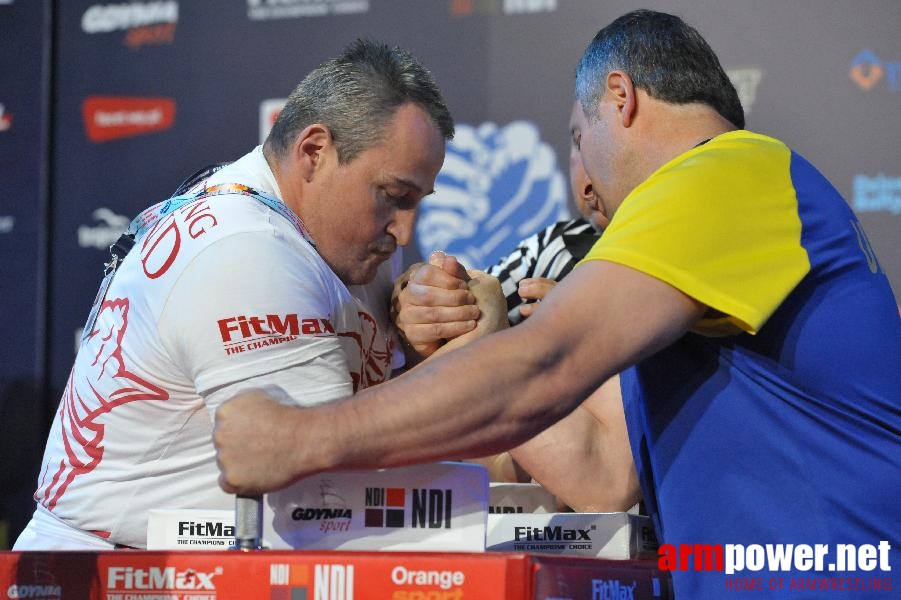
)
(148, 218)
(151, 216)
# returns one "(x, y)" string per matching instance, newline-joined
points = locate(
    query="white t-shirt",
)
(220, 295)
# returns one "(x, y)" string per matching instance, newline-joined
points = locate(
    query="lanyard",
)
(148, 218)
(144, 221)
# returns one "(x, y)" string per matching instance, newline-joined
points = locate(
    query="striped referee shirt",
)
(551, 253)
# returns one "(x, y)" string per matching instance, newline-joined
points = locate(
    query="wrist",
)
(321, 431)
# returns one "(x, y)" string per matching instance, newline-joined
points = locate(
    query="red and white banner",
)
(226, 575)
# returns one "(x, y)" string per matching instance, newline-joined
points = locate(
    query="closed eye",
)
(404, 201)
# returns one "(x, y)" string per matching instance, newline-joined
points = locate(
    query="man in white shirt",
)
(249, 281)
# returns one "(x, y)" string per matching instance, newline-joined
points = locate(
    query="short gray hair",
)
(355, 95)
(665, 57)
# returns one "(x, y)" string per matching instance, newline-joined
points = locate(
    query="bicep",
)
(316, 381)
(606, 317)
(264, 326)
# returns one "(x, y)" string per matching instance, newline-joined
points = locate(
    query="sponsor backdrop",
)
(136, 95)
(24, 79)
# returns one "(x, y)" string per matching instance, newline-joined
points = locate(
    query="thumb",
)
(449, 264)
(436, 258)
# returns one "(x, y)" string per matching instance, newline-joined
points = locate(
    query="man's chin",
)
(365, 272)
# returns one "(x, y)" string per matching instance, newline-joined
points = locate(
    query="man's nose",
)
(401, 226)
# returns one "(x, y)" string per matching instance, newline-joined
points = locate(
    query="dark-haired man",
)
(590, 445)
(756, 335)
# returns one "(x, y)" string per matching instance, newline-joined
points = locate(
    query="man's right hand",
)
(255, 444)
(492, 305)
(432, 303)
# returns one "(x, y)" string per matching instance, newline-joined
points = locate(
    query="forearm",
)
(507, 404)
(585, 459)
(504, 389)
(502, 468)
(482, 399)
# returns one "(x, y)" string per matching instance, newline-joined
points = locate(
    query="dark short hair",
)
(355, 95)
(665, 57)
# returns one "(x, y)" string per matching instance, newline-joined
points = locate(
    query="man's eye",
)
(403, 201)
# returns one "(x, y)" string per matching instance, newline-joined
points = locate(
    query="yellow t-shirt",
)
(720, 223)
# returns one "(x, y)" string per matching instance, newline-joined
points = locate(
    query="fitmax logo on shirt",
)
(245, 327)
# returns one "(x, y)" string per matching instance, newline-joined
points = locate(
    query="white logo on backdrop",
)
(261, 10)
(107, 232)
(102, 18)
(529, 6)
(269, 110)
(877, 194)
(498, 186)
(512, 7)
(746, 82)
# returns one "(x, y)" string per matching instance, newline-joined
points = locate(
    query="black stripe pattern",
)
(551, 253)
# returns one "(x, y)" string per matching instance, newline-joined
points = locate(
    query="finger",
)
(449, 264)
(535, 288)
(437, 276)
(421, 295)
(433, 332)
(527, 310)
(426, 334)
(224, 484)
(454, 267)
(401, 281)
(416, 314)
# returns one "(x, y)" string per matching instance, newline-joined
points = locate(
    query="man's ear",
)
(622, 91)
(587, 190)
(311, 148)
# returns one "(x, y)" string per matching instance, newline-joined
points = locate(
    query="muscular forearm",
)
(502, 468)
(389, 425)
(585, 459)
(504, 389)
(482, 399)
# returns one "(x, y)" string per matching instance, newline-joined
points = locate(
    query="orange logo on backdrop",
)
(111, 117)
(6, 119)
(866, 70)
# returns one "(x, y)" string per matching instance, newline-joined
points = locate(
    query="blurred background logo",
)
(498, 186)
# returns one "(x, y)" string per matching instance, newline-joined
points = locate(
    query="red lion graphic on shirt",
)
(83, 404)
